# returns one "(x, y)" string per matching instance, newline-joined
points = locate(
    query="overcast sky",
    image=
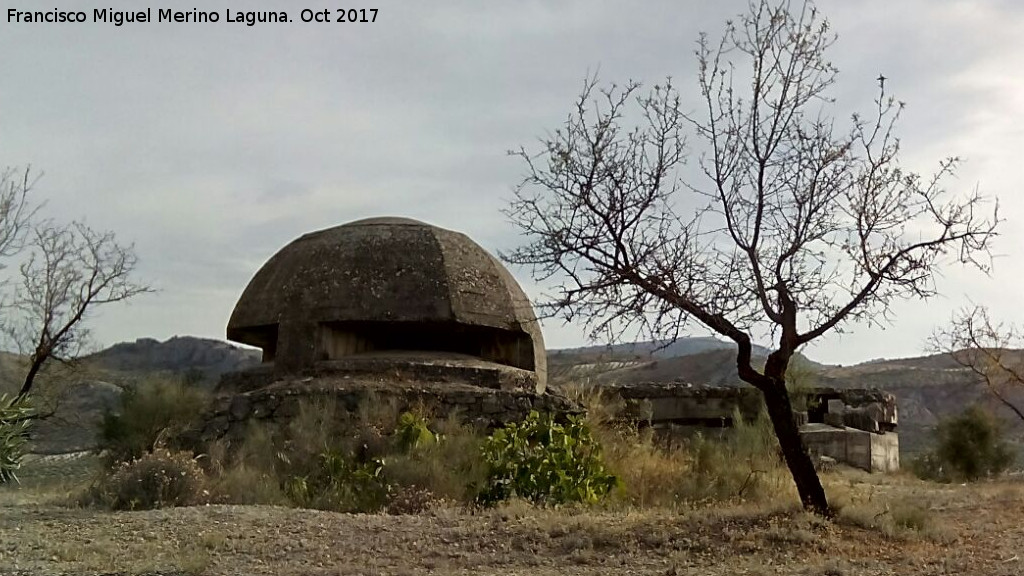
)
(210, 146)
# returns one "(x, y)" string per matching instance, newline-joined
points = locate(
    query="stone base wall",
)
(277, 403)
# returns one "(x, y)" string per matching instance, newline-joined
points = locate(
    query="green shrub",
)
(340, 484)
(968, 447)
(450, 467)
(148, 414)
(15, 420)
(545, 462)
(413, 431)
(157, 479)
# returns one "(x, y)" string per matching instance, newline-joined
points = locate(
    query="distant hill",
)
(205, 358)
(927, 388)
(655, 349)
(702, 360)
(81, 393)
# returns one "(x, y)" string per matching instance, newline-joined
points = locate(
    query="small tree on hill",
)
(798, 227)
(990, 349)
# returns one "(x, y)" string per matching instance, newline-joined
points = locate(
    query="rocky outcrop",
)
(205, 357)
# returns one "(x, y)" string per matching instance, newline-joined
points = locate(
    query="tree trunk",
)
(812, 495)
(30, 378)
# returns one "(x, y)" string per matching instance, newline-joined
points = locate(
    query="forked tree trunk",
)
(780, 410)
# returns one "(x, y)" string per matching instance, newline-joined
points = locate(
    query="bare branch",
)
(70, 270)
(989, 349)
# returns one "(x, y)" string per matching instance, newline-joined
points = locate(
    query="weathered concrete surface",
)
(387, 284)
(871, 410)
(854, 426)
(858, 448)
(686, 404)
(430, 367)
(868, 409)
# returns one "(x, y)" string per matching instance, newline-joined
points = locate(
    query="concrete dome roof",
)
(390, 272)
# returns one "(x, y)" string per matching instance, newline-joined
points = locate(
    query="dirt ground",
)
(888, 525)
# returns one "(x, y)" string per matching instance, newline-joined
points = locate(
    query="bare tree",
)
(16, 212)
(990, 349)
(69, 271)
(65, 272)
(792, 228)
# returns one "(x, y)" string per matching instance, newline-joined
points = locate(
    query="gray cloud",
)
(212, 145)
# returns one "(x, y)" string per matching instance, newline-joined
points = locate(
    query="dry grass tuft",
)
(737, 465)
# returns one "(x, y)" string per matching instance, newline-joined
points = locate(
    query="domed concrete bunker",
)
(387, 288)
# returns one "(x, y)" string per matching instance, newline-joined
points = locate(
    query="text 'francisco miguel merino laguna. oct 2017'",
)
(167, 15)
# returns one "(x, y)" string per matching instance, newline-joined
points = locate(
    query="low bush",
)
(341, 484)
(245, 484)
(15, 421)
(156, 479)
(450, 467)
(968, 447)
(671, 468)
(651, 473)
(366, 461)
(545, 462)
(744, 463)
(147, 414)
(378, 458)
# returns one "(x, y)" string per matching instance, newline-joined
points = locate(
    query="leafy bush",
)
(968, 447)
(341, 484)
(545, 462)
(147, 414)
(413, 431)
(449, 468)
(155, 480)
(15, 420)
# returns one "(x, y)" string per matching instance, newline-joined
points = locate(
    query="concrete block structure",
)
(382, 286)
(868, 451)
(854, 426)
(385, 310)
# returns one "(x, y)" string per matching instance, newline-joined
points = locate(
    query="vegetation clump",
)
(339, 482)
(968, 447)
(15, 420)
(373, 460)
(546, 462)
(151, 412)
(156, 479)
(379, 458)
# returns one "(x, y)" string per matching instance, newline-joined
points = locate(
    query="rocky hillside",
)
(200, 358)
(79, 394)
